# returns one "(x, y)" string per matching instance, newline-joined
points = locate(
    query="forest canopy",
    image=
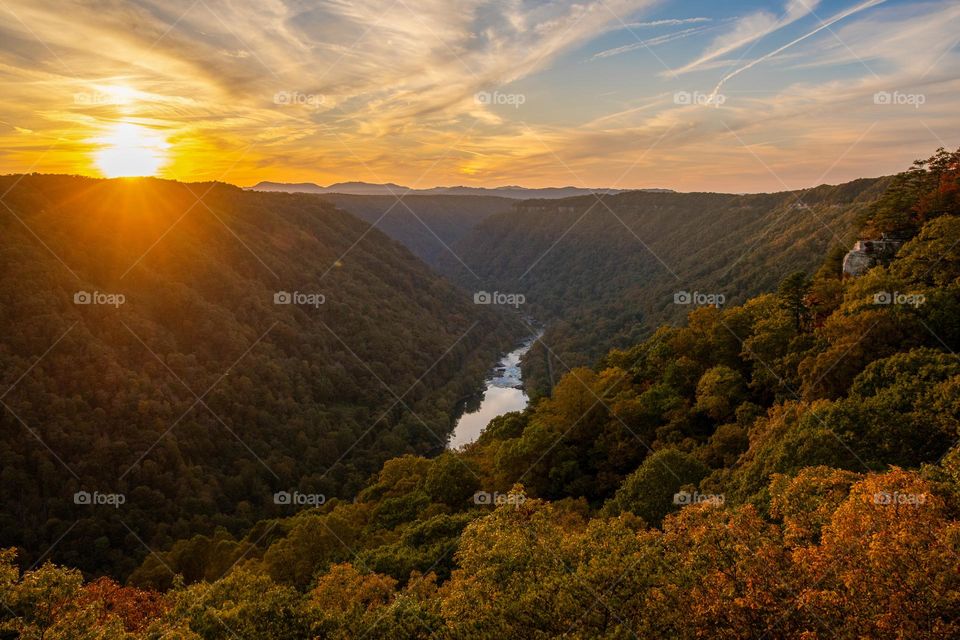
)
(197, 348)
(787, 468)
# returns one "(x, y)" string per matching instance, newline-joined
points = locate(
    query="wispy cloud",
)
(388, 87)
(670, 22)
(823, 25)
(650, 42)
(749, 29)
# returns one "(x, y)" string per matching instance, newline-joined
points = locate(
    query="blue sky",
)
(691, 95)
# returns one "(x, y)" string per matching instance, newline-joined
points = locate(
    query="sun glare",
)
(130, 150)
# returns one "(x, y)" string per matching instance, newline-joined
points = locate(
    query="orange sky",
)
(479, 92)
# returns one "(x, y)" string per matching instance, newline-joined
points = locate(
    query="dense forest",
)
(197, 348)
(428, 225)
(604, 272)
(787, 467)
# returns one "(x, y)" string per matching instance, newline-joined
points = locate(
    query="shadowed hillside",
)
(605, 273)
(786, 468)
(427, 225)
(196, 348)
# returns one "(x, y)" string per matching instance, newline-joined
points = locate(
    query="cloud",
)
(750, 29)
(914, 43)
(823, 25)
(814, 130)
(367, 70)
(671, 22)
(650, 42)
(395, 85)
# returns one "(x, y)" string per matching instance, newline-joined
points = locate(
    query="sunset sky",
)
(689, 94)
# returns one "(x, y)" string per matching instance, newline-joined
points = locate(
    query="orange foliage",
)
(136, 608)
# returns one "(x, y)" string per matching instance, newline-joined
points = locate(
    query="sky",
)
(692, 95)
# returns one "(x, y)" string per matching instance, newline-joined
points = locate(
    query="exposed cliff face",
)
(868, 253)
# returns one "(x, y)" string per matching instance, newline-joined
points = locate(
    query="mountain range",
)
(427, 225)
(317, 348)
(604, 272)
(391, 189)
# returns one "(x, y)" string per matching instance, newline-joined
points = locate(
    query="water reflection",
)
(501, 395)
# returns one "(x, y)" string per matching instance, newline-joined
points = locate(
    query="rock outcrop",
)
(868, 253)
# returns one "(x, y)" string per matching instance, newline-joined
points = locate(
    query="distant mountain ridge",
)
(391, 189)
(427, 225)
(607, 276)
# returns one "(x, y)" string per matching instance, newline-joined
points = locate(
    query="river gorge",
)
(503, 393)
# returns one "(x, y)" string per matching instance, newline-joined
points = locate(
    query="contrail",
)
(652, 42)
(837, 18)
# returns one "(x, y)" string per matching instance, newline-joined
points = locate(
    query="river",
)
(502, 394)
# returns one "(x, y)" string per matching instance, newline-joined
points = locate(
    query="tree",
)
(888, 564)
(244, 605)
(792, 294)
(343, 597)
(806, 502)
(451, 481)
(728, 576)
(651, 491)
(135, 608)
(719, 392)
(47, 604)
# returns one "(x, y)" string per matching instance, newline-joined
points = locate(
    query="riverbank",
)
(503, 392)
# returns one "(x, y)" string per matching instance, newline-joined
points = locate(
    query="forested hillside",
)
(427, 225)
(604, 273)
(195, 348)
(784, 468)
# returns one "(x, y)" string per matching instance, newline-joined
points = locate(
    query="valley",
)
(259, 342)
(379, 348)
(479, 320)
(429, 226)
(503, 393)
(604, 273)
(257, 399)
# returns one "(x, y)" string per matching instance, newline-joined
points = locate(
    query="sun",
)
(129, 150)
